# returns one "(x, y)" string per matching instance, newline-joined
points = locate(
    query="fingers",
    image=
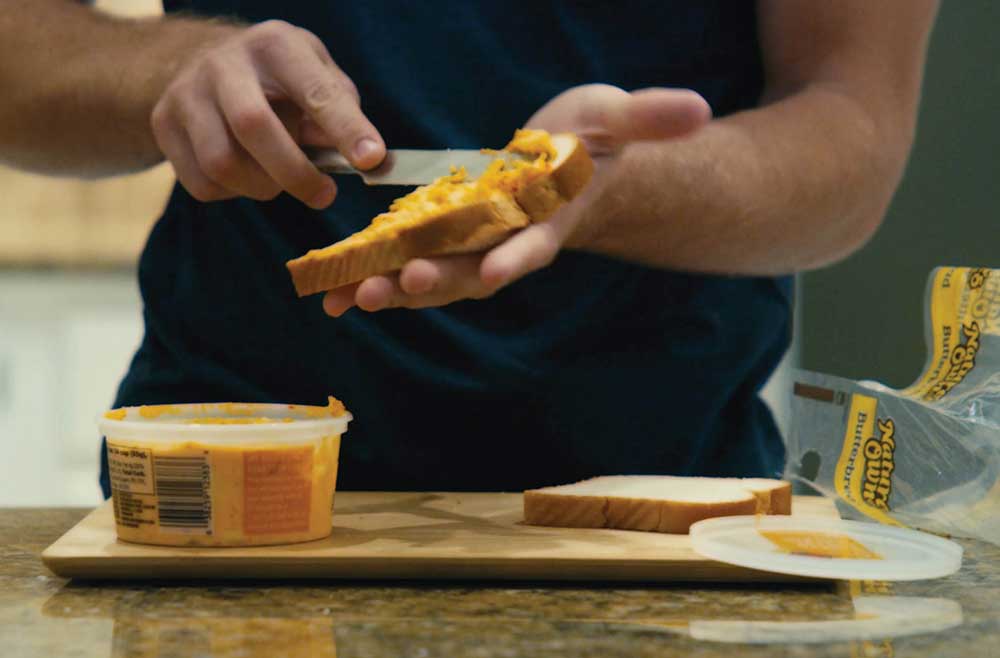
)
(422, 283)
(437, 281)
(327, 96)
(217, 125)
(259, 130)
(431, 282)
(422, 276)
(379, 292)
(221, 158)
(528, 250)
(339, 301)
(373, 294)
(173, 141)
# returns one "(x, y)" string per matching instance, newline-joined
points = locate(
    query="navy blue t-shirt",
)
(591, 366)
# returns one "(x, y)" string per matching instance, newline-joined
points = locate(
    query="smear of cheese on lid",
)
(819, 544)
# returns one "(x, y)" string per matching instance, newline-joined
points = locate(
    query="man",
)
(628, 334)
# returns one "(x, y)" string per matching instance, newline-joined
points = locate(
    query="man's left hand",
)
(607, 119)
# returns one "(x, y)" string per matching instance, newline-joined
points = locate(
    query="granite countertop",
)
(45, 616)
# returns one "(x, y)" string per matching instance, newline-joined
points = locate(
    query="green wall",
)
(863, 318)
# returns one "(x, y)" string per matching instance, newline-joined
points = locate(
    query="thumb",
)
(610, 117)
(663, 114)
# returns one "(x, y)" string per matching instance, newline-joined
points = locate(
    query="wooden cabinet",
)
(55, 221)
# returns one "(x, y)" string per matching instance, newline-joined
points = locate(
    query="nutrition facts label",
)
(131, 469)
(131, 472)
(133, 511)
(168, 492)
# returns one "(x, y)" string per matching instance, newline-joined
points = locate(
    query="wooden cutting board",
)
(472, 536)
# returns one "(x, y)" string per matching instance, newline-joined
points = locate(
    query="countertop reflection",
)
(45, 616)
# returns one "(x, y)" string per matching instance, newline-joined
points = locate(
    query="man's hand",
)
(607, 119)
(232, 119)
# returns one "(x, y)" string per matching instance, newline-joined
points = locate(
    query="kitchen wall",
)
(863, 318)
(65, 339)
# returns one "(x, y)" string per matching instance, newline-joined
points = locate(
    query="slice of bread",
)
(656, 503)
(454, 215)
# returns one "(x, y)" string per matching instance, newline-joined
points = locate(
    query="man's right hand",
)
(232, 119)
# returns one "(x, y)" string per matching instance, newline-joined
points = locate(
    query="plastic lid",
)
(826, 548)
(253, 422)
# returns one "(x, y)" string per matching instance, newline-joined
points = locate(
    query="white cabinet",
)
(66, 338)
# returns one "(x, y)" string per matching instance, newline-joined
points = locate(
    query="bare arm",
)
(86, 94)
(795, 184)
(81, 84)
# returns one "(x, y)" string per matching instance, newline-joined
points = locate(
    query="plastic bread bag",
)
(927, 456)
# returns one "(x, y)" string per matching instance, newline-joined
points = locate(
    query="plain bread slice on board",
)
(658, 503)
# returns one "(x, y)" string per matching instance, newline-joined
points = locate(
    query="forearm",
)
(789, 186)
(80, 85)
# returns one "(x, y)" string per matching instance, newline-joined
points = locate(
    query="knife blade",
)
(411, 166)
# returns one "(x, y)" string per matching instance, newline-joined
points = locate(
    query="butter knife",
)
(411, 166)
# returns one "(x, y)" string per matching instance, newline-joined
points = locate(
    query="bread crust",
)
(773, 496)
(542, 197)
(470, 228)
(548, 507)
(565, 511)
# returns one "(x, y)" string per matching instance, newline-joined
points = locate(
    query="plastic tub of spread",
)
(224, 474)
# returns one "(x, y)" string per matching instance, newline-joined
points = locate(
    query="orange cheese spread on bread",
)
(497, 184)
(454, 214)
(503, 178)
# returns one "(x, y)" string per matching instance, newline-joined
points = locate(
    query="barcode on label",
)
(182, 488)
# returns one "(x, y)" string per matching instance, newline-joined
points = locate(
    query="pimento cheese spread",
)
(224, 474)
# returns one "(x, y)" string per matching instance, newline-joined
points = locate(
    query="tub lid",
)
(826, 548)
(225, 422)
